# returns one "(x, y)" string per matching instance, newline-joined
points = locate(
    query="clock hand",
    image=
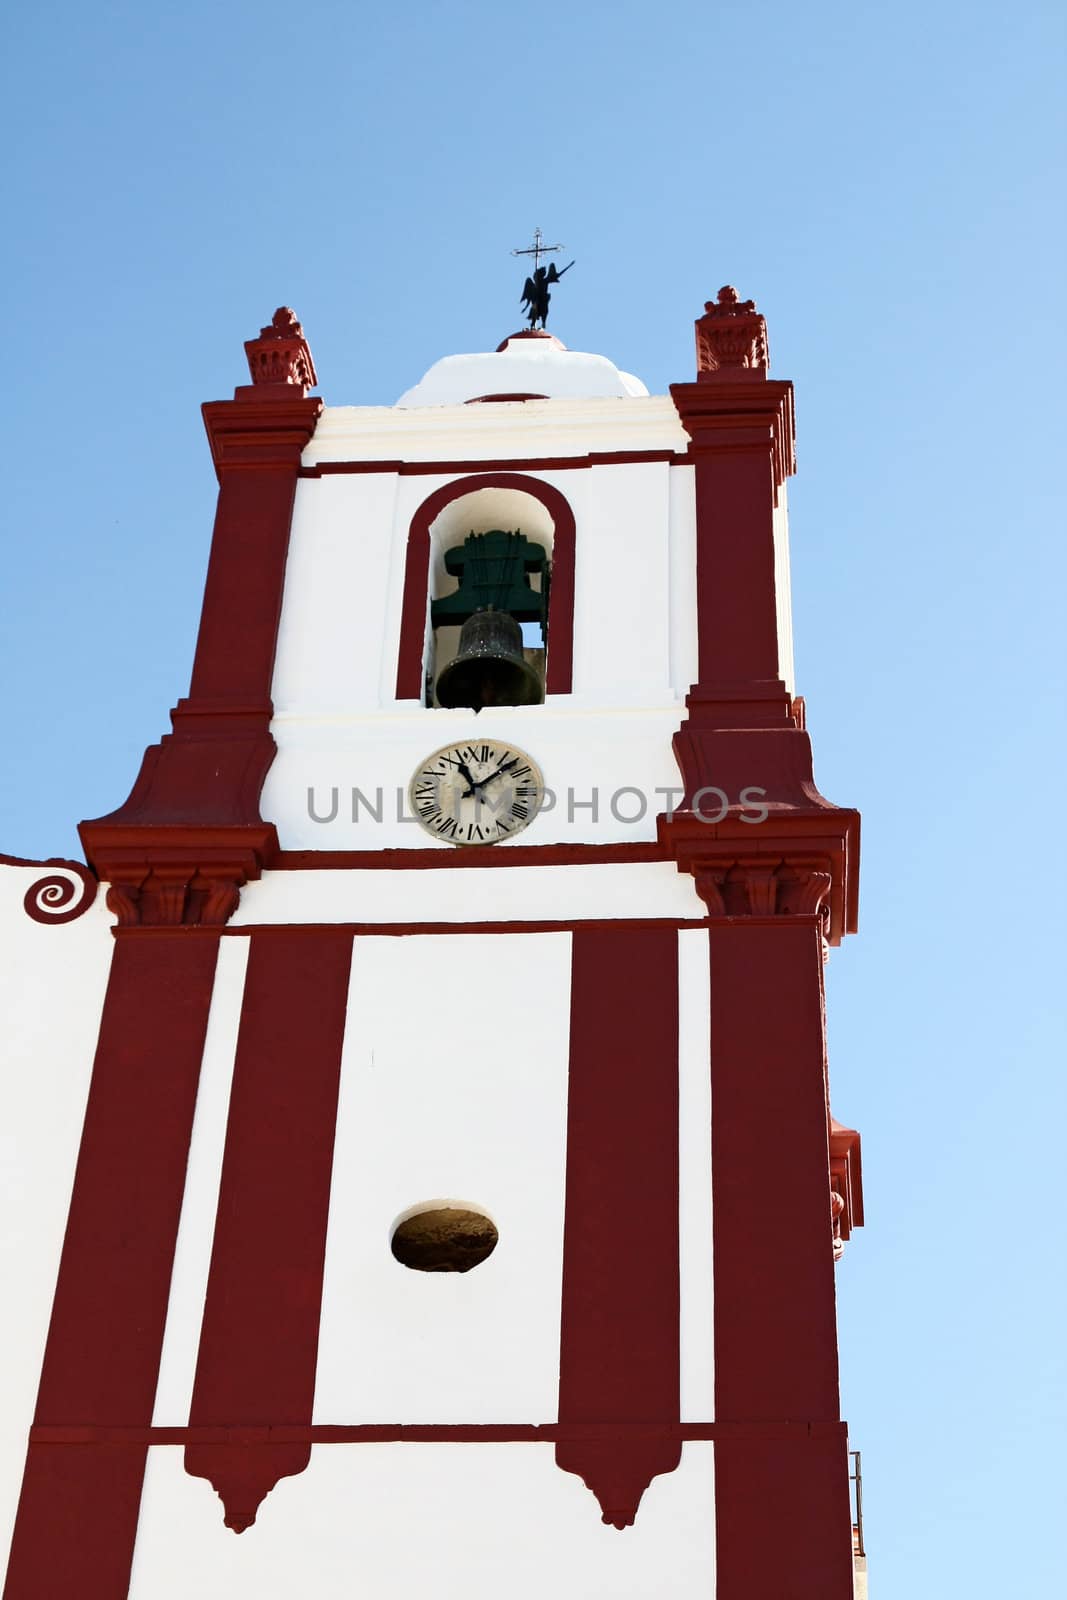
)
(480, 783)
(466, 771)
(504, 767)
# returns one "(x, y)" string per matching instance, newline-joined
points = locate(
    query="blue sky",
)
(887, 182)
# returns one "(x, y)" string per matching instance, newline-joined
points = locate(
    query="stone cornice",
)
(505, 429)
(749, 412)
(260, 433)
(794, 863)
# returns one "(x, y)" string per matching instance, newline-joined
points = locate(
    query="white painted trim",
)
(196, 1229)
(506, 430)
(495, 894)
(682, 630)
(696, 1322)
(783, 591)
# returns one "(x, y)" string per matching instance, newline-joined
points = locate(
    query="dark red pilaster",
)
(741, 434)
(619, 1335)
(78, 1512)
(256, 444)
(259, 1339)
(773, 890)
(775, 1335)
(783, 1527)
(207, 775)
(782, 1508)
(740, 424)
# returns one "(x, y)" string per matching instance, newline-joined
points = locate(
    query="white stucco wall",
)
(454, 1087)
(427, 1522)
(442, 1100)
(439, 1100)
(338, 723)
(783, 591)
(459, 894)
(532, 429)
(52, 983)
(342, 783)
(192, 1255)
(696, 1312)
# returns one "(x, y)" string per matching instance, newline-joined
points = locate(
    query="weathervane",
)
(535, 295)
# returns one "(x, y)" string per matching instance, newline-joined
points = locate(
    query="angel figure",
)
(535, 295)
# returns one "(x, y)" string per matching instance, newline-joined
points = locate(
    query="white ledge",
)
(497, 430)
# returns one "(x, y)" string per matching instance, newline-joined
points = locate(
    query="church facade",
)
(439, 1191)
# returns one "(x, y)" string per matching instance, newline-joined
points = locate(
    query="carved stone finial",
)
(280, 356)
(731, 336)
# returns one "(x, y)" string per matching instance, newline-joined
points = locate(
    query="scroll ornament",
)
(62, 895)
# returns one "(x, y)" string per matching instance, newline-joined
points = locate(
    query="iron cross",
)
(538, 249)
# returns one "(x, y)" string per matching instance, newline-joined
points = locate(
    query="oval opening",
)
(444, 1239)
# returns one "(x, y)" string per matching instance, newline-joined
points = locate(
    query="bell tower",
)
(457, 1199)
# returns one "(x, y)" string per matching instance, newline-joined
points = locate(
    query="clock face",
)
(476, 793)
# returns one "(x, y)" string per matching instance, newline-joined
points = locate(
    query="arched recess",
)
(409, 672)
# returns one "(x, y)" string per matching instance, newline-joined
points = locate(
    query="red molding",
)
(259, 1338)
(401, 930)
(78, 1512)
(409, 672)
(264, 429)
(592, 458)
(178, 875)
(619, 1325)
(794, 842)
(740, 414)
(504, 855)
(440, 1432)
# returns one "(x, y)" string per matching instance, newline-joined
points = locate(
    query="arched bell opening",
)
(511, 499)
(490, 581)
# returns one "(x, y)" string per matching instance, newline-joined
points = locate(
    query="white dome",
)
(528, 364)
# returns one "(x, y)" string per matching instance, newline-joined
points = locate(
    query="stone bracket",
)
(179, 876)
(793, 864)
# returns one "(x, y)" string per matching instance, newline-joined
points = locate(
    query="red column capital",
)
(742, 413)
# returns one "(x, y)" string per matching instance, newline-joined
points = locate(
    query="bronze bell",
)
(489, 668)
